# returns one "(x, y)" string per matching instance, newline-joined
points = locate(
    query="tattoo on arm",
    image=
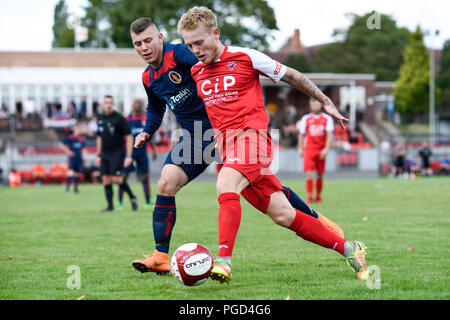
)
(299, 81)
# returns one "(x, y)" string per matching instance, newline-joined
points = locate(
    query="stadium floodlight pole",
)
(352, 110)
(432, 115)
(73, 22)
(77, 44)
(431, 96)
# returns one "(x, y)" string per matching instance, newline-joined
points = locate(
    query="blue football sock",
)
(76, 180)
(68, 182)
(126, 188)
(146, 186)
(109, 195)
(164, 217)
(298, 203)
(120, 194)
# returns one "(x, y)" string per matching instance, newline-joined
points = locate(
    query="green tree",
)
(63, 37)
(334, 57)
(365, 50)
(444, 75)
(298, 62)
(412, 87)
(242, 22)
(97, 19)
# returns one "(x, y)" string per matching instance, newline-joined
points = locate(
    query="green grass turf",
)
(43, 231)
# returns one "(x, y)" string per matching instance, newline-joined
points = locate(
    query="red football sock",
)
(309, 188)
(229, 221)
(319, 184)
(314, 231)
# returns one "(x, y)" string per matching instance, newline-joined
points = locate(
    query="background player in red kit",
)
(314, 140)
(227, 80)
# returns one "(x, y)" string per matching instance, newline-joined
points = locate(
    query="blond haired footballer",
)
(227, 79)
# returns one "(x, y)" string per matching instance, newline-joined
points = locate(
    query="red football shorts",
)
(312, 161)
(261, 185)
(250, 153)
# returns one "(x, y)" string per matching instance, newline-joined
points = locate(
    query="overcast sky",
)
(27, 24)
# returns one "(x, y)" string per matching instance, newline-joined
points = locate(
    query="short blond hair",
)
(195, 17)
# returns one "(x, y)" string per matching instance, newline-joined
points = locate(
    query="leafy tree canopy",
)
(242, 22)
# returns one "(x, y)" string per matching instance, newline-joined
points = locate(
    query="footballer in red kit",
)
(315, 134)
(227, 80)
(243, 140)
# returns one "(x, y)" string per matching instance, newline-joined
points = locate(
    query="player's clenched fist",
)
(141, 139)
(127, 161)
(98, 161)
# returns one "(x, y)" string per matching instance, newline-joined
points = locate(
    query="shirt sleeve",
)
(330, 124)
(301, 126)
(99, 126)
(155, 112)
(183, 55)
(124, 126)
(267, 66)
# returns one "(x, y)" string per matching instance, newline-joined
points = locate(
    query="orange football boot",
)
(333, 227)
(156, 262)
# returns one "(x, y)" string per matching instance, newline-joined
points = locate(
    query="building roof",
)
(294, 46)
(72, 58)
(71, 75)
(327, 79)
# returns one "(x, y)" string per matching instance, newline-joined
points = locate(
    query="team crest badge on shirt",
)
(277, 69)
(175, 77)
(231, 65)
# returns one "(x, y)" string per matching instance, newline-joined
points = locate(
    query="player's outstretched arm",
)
(129, 150)
(155, 113)
(84, 155)
(301, 137)
(65, 149)
(141, 139)
(152, 146)
(325, 150)
(99, 150)
(299, 81)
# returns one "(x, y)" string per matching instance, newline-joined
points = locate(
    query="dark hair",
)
(140, 25)
(108, 96)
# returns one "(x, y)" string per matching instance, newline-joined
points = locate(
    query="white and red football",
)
(191, 264)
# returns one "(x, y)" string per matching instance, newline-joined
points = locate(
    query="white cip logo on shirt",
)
(317, 130)
(219, 84)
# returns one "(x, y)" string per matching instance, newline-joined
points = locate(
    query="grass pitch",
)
(43, 231)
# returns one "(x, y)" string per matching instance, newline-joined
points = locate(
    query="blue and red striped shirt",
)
(137, 124)
(75, 144)
(171, 85)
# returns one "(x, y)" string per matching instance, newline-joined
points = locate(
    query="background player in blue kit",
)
(136, 120)
(168, 82)
(73, 145)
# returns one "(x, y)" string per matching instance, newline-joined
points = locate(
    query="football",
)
(191, 264)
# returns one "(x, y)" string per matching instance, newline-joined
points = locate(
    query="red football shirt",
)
(315, 128)
(231, 90)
